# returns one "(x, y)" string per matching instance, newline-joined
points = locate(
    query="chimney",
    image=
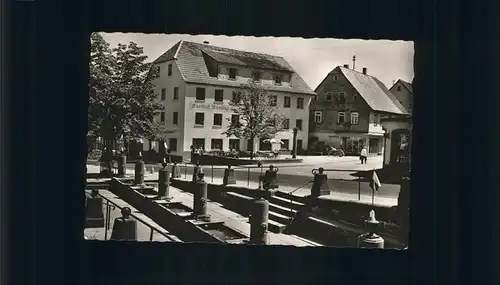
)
(364, 70)
(346, 66)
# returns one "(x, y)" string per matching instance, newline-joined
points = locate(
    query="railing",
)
(110, 206)
(291, 200)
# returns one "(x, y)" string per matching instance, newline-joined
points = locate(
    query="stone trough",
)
(174, 216)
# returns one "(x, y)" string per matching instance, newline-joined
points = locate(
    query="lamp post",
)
(294, 147)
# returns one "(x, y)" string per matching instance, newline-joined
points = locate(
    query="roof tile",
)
(194, 70)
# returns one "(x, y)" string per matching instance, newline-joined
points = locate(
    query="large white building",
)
(196, 82)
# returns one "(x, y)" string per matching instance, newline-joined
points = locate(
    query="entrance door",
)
(400, 146)
(373, 145)
(299, 145)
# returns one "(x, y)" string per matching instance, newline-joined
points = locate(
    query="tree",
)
(122, 101)
(258, 117)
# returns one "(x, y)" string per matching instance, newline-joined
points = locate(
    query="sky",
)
(312, 59)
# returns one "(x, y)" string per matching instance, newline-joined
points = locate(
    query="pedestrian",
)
(363, 155)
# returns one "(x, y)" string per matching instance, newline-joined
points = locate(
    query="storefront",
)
(353, 145)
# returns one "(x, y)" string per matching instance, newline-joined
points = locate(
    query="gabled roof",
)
(190, 60)
(372, 90)
(405, 84)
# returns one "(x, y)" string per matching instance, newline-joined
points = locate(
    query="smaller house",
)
(347, 111)
(403, 91)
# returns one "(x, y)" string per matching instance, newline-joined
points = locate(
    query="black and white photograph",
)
(249, 140)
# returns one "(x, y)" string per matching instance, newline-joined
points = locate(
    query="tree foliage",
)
(258, 118)
(122, 101)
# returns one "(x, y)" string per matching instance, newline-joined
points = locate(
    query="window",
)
(398, 88)
(354, 118)
(198, 143)
(176, 93)
(175, 119)
(410, 106)
(335, 77)
(340, 117)
(256, 76)
(158, 74)
(300, 103)
(318, 117)
(286, 144)
(273, 100)
(217, 120)
(163, 94)
(219, 95)
(170, 70)
(199, 119)
(200, 94)
(355, 97)
(235, 119)
(232, 73)
(234, 144)
(236, 96)
(329, 96)
(376, 119)
(341, 95)
(298, 124)
(216, 144)
(162, 117)
(278, 79)
(288, 102)
(286, 124)
(172, 143)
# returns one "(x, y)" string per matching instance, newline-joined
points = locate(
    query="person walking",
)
(363, 156)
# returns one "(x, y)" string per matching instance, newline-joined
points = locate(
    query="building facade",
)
(347, 111)
(197, 81)
(403, 91)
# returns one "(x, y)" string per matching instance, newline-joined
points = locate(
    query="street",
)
(292, 176)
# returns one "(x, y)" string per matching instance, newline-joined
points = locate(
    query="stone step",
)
(288, 196)
(275, 227)
(286, 202)
(282, 210)
(282, 219)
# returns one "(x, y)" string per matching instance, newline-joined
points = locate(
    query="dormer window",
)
(232, 73)
(278, 79)
(256, 76)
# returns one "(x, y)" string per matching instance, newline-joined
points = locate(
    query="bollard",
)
(94, 216)
(176, 171)
(271, 178)
(124, 228)
(164, 182)
(259, 222)
(139, 171)
(200, 198)
(371, 239)
(228, 176)
(320, 184)
(122, 165)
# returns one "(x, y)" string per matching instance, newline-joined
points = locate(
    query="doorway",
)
(299, 145)
(373, 145)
